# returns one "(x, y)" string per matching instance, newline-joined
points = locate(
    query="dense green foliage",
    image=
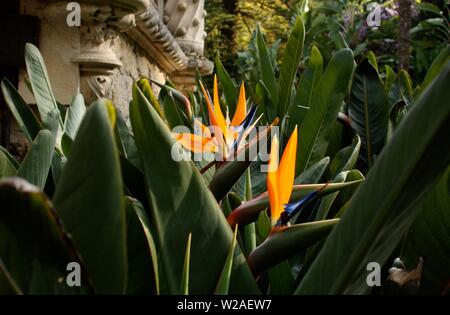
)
(371, 168)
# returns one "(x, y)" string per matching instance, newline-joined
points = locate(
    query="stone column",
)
(186, 21)
(101, 25)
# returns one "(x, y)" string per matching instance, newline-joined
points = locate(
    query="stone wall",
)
(116, 43)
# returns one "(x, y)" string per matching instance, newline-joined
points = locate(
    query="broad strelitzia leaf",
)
(317, 124)
(229, 89)
(34, 247)
(313, 174)
(305, 89)
(143, 277)
(74, 116)
(40, 82)
(147, 90)
(287, 241)
(385, 206)
(436, 67)
(265, 67)
(7, 166)
(249, 211)
(346, 158)
(91, 206)
(184, 284)
(7, 284)
(23, 114)
(289, 66)
(181, 206)
(126, 142)
(327, 201)
(37, 162)
(368, 110)
(224, 280)
(429, 237)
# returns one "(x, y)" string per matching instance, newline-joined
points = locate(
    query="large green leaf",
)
(224, 280)
(287, 241)
(37, 162)
(384, 207)
(7, 166)
(7, 284)
(429, 237)
(74, 116)
(34, 247)
(305, 89)
(265, 67)
(40, 82)
(23, 114)
(141, 250)
(180, 204)
(317, 124)
(368, 110)
(313, 174)
(289, 66)
(89, 200)
(229, 89)
(125, 141)
(438, 63)
(346, 158)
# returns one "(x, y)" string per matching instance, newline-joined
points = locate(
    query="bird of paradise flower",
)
(222, 136)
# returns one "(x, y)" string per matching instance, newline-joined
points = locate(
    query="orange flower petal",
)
(286, 170)
(204, 130)
(212, 117)
(195, 143)
(272, 182)
(217, 110)
(241, 107)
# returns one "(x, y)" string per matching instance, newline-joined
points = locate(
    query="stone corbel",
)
(102, 21)
(186, 20)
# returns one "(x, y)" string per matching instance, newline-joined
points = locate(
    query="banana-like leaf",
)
(125, 141)
(317, 124)
(172, 113)
(436, 67)
(305, 89)
(287, 241)
(145, 87)
(184, 284)
(390, 79)
(249, 211)
(265, 67)
(289, 66)
(34, 247)
(7, 284)
(384, 207)
(346, 158)
(74, 116)
(23, 114)
(229, 89)
(143, 277)
(180, 204)
(40, 82)
(368, 110)
(37, 162)
(7, 166)
(327, 201)
(313, 174)
(429, 237)
(89, 200)
(224, 280)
